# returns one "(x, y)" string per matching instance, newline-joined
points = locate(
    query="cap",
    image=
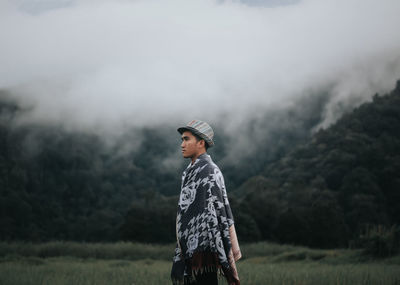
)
(200, 128)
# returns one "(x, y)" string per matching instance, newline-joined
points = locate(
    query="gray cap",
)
(200, 128)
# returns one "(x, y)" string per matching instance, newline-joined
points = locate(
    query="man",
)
(206, 237)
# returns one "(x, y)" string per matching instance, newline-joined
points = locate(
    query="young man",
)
(205, 231)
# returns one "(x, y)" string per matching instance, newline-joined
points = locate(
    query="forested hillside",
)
(324, 193)
(58, 183)
(319, 191)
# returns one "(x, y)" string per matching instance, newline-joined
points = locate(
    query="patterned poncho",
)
(204, 225)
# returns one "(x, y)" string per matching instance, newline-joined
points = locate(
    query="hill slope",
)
(57, 184)
(324, 193)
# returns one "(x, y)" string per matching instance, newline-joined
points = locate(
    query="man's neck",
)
(197, 156)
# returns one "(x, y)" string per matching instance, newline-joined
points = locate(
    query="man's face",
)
(190, 145)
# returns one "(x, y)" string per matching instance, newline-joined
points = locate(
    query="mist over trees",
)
(319, 190)
(325, 192)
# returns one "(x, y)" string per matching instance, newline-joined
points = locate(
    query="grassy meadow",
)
(59, 263)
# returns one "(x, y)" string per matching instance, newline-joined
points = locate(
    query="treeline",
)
(319, 191)
(327, 192)
(57, 185)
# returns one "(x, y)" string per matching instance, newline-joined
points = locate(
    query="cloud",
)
(116, 64)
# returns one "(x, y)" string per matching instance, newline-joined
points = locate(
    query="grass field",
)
(59, 263)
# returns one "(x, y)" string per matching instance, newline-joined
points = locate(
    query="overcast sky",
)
(106, 64)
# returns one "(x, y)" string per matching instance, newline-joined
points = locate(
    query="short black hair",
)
(198, 138)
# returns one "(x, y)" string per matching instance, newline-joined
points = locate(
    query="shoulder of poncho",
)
(209, 167)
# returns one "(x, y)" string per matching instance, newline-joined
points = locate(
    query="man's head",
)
(197, 137)
(192, 145)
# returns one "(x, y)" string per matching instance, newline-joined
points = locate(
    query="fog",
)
(110, 65)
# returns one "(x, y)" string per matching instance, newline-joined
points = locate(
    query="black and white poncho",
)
(203, 223)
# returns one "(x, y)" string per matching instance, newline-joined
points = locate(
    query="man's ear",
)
(202, 143)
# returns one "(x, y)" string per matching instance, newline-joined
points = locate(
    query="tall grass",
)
(118, 250)
(59, 263)
(64, 270)
(137, 251)
(254, 271)
(315, 273)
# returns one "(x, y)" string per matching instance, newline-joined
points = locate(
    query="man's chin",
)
(186, 156)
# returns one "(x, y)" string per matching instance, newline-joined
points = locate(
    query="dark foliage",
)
(379, 241)
(325, 192)
(55, 184)
(71, 186)
(151, 220)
